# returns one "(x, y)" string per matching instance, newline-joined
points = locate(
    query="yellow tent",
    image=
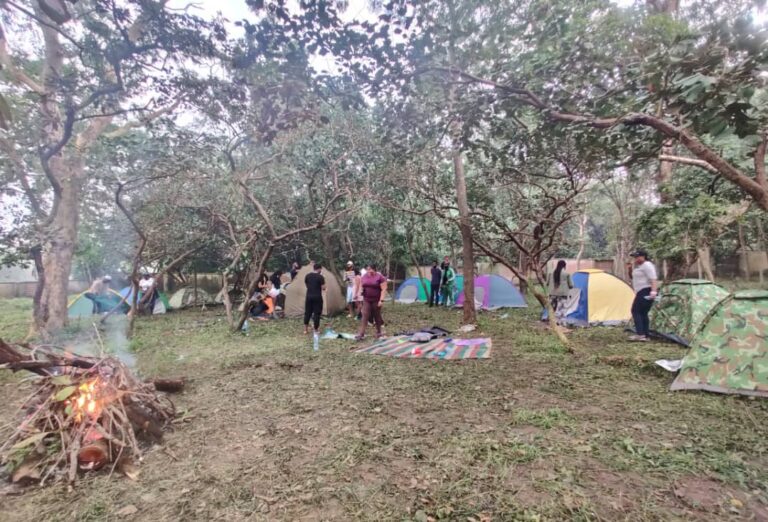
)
(599, 298)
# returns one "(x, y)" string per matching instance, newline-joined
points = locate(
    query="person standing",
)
(559, 283)
(374, 291)
(97, 290)
(313, 305)
(148, 289)
(349, 279)
(448, 287)
(434, 286)
(358, 294)
(645, 284)
(294, 270)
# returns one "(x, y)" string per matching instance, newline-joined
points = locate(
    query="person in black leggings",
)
(645, 283)
(313, 306)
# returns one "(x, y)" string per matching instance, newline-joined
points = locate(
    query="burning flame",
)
(86, 401)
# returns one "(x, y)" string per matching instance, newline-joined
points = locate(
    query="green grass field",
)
(273, 431)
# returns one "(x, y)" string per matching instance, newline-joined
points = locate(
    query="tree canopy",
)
(135, 134)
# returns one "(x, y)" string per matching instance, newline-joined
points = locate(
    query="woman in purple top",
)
(374, 289)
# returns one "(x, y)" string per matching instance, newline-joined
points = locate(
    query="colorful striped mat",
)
(451, 349)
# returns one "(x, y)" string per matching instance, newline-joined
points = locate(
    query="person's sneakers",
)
(638, 338)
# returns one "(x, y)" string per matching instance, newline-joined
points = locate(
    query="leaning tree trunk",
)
(238, 324)
(58, 251)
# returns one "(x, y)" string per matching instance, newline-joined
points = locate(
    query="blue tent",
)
(412, 291)
(493, 292)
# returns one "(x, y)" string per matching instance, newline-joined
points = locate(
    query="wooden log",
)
(94, 455)
(169, 385)
(143, 420)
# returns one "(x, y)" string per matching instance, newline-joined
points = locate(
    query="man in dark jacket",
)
(434, 290)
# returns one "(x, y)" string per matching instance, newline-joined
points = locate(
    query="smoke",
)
(105, 339)
(116, 342)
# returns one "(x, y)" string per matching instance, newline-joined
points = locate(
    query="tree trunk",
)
(664, 174)
(57, 254)
(582, 239)
(467, 244)
(551, 319)
(419, 275)
(225, 298)
(330, 256)
(252, 287)
(706, 263)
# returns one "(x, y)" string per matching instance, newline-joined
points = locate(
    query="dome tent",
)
(296, 293)
(188, 296)
(493, 292)
(598, 298)
(412, 291)
(161, 303)
(729, 352)
(81, 306)
(682, 307)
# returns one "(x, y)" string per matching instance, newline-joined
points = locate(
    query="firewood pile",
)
(85, 414)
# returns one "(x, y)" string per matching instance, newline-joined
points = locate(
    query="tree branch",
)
(748, 185)
(142, 121)
(760, 177)
(17, 74)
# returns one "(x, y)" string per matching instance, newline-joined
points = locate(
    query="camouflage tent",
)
(729, 353)
(683, 306)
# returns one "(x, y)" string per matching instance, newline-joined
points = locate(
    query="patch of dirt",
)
(706, 497)
(278, 432)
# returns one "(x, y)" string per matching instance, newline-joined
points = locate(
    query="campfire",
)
(86, 413)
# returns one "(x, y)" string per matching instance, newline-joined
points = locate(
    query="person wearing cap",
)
(349, 279)
(645, 284)
(98, 288)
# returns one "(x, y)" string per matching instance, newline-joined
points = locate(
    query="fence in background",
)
(27, 288)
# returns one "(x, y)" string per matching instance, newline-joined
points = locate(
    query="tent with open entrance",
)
(682, 307)
(412, 291)
(81, 306)
(296, 294)
(493, 291)
(598, 298)
(161, 304)
(189, 296)
(729, 353)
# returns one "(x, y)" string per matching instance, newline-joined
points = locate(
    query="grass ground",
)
(274, 431)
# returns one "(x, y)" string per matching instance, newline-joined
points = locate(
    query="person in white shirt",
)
(147, 287)
(645, 284)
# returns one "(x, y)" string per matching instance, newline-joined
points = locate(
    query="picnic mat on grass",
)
(450, 349)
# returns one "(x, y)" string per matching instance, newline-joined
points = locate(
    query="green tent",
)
(412, 290)
(81, 306)
(729, 353)
(682, 307)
